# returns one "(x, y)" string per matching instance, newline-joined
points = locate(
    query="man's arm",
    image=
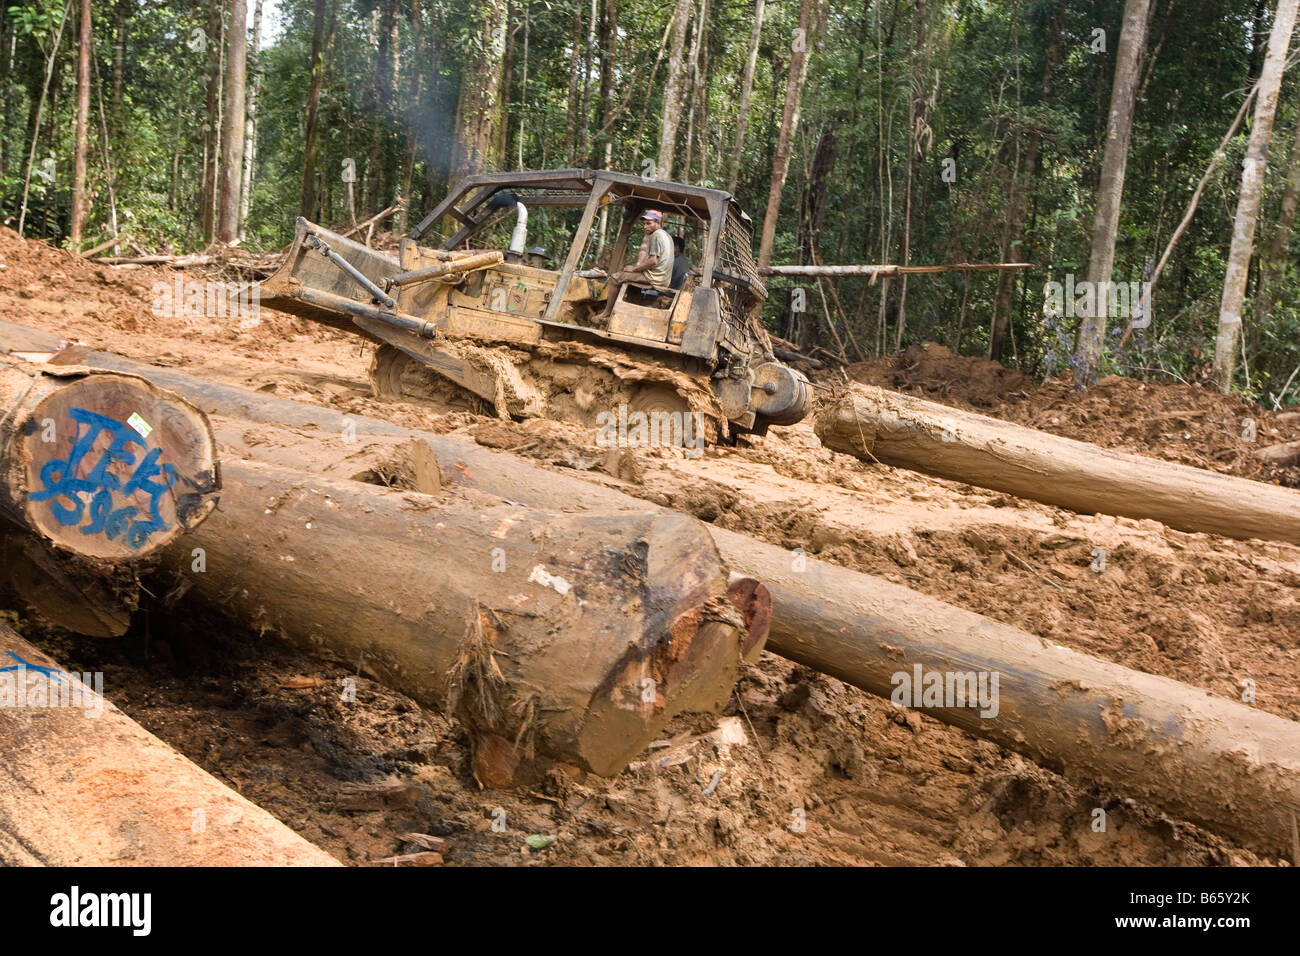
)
(649, 262)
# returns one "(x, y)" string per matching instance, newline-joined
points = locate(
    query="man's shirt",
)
(681, 266)
(659, 244)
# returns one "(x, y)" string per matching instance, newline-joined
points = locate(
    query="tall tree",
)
(746, 91)
(1013, 235)
(1252, 181)
(1105, 224)
(250, 122)
(602, 152)
(415, 91)
(1279, 248)
(83, 127)
(477, 108)
(674, 91)
(214, 45)
(789, 125)
(232, 126)
(307, 195)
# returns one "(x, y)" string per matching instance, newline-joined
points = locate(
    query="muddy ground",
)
(875, 785)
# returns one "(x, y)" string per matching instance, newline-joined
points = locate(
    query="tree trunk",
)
(415, 91)
(307, 195)
(82, 135)
(1105, 225)
(123, 14)
(746, 90)
(143, 471)
(1215, 761)
(1018, 207)
(1252, 183)
(376, 192)
(250, 123)
(212, 128)
(674, 92)
(789, 126)
(232, 132)
(576, 638)
(478, 110)
(130, 799)
(1273, 268)
(602, 148)
(878, 425)
(37, 110)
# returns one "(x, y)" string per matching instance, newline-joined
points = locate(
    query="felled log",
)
(570, 637)
(104, 465)
(878, 425)
(1074, 713)
(81, 784)
(98, 471)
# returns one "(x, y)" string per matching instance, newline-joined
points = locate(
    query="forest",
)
(1150, 144)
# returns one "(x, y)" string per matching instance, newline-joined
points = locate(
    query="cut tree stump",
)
(1171, 746)
(878, 425)
(81, 784)
(570, 637)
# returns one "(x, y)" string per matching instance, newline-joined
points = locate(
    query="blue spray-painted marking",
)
(65, 492)
(51, 672)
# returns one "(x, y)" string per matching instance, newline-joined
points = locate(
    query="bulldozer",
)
(468, 314)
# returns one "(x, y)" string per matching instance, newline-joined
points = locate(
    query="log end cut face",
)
(688, 655)
(114, 468)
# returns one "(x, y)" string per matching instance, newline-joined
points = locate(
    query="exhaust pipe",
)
(519, 238)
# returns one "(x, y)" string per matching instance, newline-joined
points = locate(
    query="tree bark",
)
(602, 147)
(1017, 209)
(1252, 184)
(878, 425)
(1105, 225)
(789, 126)
(212, 129)
(232, 132)
(307, 195)
(674, 92)
(864, 630)
(478, 110)
(82, 135)
(415, 92)
(1220, 763)
(746, 91)
(130, 799)
(250, 121)
(572, 637)
(1273, 268)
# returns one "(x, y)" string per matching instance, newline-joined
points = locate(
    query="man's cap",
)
(654, 215)
(538, 251)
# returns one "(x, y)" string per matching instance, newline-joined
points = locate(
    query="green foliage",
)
(969, 75)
